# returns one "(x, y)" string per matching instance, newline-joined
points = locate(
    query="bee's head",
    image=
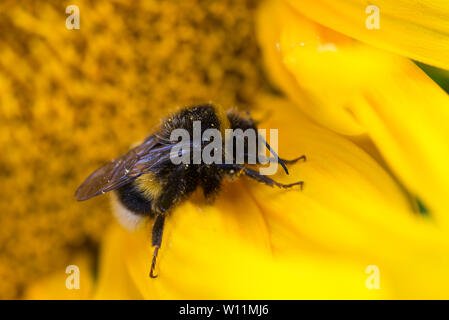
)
(241, 121)
(246, 122)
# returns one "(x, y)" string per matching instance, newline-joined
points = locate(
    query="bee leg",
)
(156, 239)
(253, 174)
(293, 161)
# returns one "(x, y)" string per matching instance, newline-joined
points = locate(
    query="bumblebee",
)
(146, 182)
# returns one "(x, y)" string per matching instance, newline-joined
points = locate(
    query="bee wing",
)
(120, 171)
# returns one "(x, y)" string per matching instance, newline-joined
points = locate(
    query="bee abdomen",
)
(134, 200)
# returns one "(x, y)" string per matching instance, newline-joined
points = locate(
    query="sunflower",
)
(373, 127)
(74, 99)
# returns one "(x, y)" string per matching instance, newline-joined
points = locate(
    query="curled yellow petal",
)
(273, 20)
(418, 29)
(386, 96)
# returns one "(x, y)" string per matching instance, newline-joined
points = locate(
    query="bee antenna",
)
(275, 155)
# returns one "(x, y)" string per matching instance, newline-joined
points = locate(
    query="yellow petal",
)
(202, 259)
(402, 110)
(337, 214)
(114, 281)
(418, 29)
